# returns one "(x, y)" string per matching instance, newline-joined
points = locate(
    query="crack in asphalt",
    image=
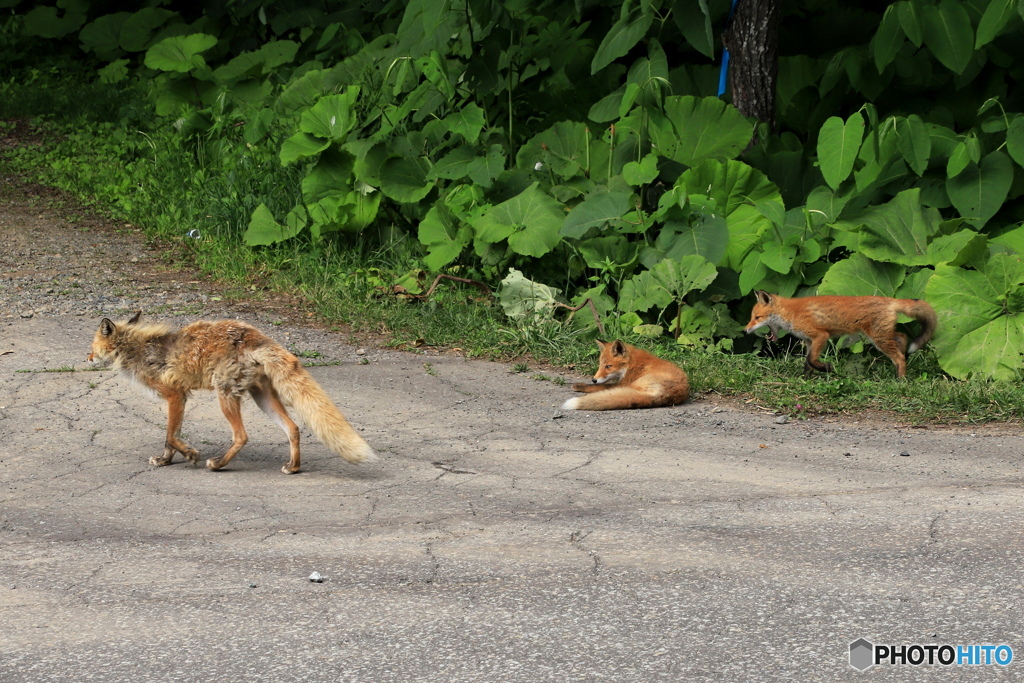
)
(576, 539)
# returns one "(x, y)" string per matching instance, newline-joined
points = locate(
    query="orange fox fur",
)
(628, 377)
(815, 319)
(231, 358)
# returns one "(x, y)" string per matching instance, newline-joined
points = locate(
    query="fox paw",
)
(191, 455)
(214, 464)
(287, 469)
(161, 461)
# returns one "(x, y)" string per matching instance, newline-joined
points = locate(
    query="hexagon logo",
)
(861, 654)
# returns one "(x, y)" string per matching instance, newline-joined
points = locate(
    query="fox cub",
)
(815, 319)
(628, 377)
(231, 358)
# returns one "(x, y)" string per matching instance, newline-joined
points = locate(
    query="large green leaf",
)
(706, 235)
(139, 30)
(331, 175)
(693, 129)
(737, 190)
(180, 53)
(948, 34)
(959, 159)
(914, 142)
(332, 117)
(693, 19)
(911, 14)
(103, 36)
(444, 235)
(997, 15)
(667, 282)
(888, 39)
(641, 172)
(350, 211)
(597, 211)
(45, 22)
(779, 257)
(862, 276)
(454, 164)
(301, 146)
(304, 91)
(824, 205)
(530, 222)
(1011, 240)
(561, 149)
(838, 144)
(265, 60)
(898, 230)
(607, 108)
(612, 254)
(467, 122)
(1015, 140)
(405, 179)
(981, 318)
(979, 191)
(623, 35)
(264, 230)
(485, 168)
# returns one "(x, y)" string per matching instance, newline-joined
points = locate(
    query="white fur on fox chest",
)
(776, 322)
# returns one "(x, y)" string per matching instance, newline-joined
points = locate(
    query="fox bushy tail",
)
(298, 389)
(923, 313)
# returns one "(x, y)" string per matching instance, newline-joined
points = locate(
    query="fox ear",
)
(618, 348)
(107, 327)
(601, 344)
(135, 318)
(763, 297)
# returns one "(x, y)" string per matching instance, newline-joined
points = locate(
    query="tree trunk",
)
(752, 39)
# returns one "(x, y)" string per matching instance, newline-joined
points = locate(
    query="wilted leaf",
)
(523, 299)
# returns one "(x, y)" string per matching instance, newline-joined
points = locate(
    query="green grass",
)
(63, 368)
(170, 188)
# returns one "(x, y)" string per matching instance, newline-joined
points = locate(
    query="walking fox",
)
(815, 319)
(231, 358)
(628, 377)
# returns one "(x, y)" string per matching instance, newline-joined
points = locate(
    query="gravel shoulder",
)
(498, 539)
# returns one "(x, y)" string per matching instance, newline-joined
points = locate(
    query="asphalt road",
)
(498, 538)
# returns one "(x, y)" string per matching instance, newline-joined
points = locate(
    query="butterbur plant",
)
(579, 153)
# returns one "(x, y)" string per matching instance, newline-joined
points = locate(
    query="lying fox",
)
(628, 377)
(815, 319)
(231, 358)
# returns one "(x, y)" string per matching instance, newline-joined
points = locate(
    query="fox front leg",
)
(175, 414)
(814, 348)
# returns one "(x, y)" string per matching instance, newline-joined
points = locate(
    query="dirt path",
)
(498, 539)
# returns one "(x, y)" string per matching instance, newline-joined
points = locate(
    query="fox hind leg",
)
(895, 348)
(270, 403)
(231, 406)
